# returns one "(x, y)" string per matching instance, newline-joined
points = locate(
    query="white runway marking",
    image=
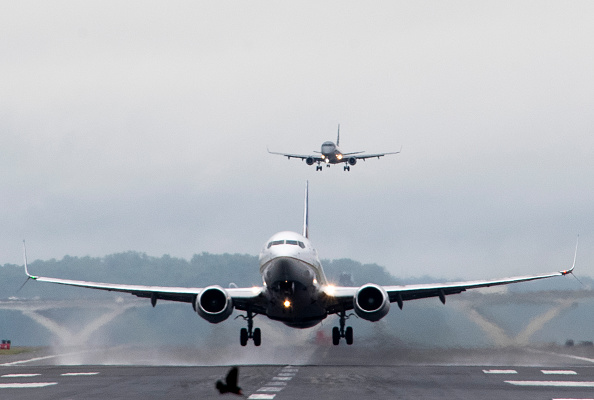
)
(261, 396)
(500, 371)
(282, 378)
(270, 389)
(558, 372)
(552, 383)
(287, 374)
(26, 385)
(20, 375)
(80, 374)
(25, 361)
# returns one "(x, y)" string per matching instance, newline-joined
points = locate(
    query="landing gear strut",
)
(338, 333)
(250, 333)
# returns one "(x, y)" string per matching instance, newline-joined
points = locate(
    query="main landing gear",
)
(338, 333)
(250, 333)
(347, 168)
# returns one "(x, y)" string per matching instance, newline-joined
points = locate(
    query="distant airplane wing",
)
(301, 156)
(398, 294)
(360, 156)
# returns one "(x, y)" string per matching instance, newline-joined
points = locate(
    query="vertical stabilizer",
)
(306, 211)
(338, 137)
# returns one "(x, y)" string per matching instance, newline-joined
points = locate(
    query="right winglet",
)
(26, 266)
(570, 271)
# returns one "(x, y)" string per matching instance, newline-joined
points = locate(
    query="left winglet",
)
(570, 271)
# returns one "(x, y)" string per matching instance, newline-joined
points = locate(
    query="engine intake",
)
(371, 302)
(214, 304)
(309, 160)
(352, 160)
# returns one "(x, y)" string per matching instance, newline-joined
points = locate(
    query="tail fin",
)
(338, 137)
(306, 211)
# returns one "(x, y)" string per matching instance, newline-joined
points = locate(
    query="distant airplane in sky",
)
(295, 290)
(331, 154)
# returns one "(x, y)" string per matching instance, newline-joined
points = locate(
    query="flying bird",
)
(230, 385)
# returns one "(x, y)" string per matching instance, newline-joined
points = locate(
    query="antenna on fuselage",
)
(306, 212)
(338, 137)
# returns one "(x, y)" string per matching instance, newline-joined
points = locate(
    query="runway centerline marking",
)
(26, 385)
(20, 375)
(557, 372)
(500, 371)
(270, 389)
(552, 383)
(261, 396)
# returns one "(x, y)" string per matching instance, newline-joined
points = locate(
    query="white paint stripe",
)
(26, 385)
(261, 396)
(500, 371)
(26, 361)
(291, 374)
(80, 374)
(270, 389)
(557, 372)
(552, 383)
(290, 370)
(276, 384)
(281, 378)
(20, 375)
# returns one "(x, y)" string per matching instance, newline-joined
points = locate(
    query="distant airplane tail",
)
(338, 137)
(306, 211)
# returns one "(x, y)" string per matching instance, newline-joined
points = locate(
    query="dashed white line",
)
(26, 385)
(79, 374)
(261, 396)
(270, 389)
(500, 371)
(557, 372)
(552, 383)
(20, 375)
(282, 378)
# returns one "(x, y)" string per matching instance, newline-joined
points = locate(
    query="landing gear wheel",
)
(257, 337)
(348, 335)
(335, 336)
(243, 336)
(347, 168)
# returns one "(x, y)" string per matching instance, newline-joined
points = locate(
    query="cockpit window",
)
(275, 242)
(291, 242)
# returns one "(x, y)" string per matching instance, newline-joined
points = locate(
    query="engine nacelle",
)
(214, 304)
(310, 160)
(352, 160)
(371, 302)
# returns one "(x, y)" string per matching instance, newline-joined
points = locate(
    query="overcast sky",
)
(143, 125)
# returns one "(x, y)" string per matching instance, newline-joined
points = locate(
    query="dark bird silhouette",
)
(230, 385)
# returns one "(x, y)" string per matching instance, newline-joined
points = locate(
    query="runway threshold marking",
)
(552, 383)
(557, 372)
(26, 385)
(20, 375)
(500, 371)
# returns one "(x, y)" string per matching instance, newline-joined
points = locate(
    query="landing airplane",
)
(295, 290)
(331, 154)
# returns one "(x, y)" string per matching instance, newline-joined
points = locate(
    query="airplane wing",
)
(343, 296)
(241, 297)
(360, 156)
(301, 156)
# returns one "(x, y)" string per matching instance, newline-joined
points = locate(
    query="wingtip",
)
(25, 259)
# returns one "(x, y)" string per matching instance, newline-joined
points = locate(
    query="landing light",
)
(339, 156)
(323, 156)
(287, 303)
(255, 290)
(330, 290)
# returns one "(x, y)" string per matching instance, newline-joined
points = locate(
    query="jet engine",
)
(352, 160)
(309, 160)
(214, 304)
(371, 302)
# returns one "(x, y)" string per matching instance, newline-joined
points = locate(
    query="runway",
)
(331, 373)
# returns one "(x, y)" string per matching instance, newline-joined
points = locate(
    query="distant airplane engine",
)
(352, 160)
(214, 304)
(371, 302)
(310, 160)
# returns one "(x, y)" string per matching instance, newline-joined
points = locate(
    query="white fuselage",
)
(331, 153)
(293, 277)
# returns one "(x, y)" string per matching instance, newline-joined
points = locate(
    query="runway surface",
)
(322, 372)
